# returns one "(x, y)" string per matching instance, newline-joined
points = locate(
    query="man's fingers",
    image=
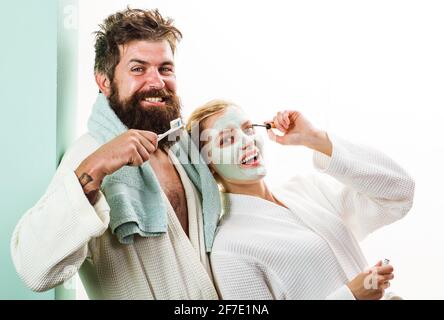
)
(147, 144)
(92, 186)
(143, 152)
(151, 136)
(135, 158)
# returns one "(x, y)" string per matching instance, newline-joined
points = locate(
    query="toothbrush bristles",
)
(174, 126)
(175, 123)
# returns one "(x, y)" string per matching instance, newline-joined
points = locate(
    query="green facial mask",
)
(226, 158)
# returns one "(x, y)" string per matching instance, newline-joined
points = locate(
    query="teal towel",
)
(134, 194)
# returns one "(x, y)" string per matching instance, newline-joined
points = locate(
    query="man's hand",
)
(370, 285)
(297, 130)
(133, 148)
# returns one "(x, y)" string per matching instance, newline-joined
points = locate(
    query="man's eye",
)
(166, 70)
(137, 69)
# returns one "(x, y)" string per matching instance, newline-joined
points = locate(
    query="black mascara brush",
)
(268, 126)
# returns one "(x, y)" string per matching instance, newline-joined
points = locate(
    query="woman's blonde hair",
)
(199, 115)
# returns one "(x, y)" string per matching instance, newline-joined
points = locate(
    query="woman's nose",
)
(247, 142)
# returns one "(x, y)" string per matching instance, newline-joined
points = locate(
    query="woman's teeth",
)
(153, 99)
(250, 159)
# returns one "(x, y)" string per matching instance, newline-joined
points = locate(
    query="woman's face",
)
(233, 148)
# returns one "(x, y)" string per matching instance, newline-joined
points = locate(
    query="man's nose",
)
(154, 79)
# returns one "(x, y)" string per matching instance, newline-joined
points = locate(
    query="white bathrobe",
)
(310, 250)
(63, 233)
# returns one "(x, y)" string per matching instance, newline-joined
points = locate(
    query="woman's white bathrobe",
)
(310, 250)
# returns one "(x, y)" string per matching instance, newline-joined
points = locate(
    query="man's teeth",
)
(252, 157)
(153, 99)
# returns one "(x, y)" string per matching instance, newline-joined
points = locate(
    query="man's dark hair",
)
(125, 26)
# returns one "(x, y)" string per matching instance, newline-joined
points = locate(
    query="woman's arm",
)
(363, 185)
(368, 189)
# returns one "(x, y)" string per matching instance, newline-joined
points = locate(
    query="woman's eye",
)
(249, 130)
(227, 140)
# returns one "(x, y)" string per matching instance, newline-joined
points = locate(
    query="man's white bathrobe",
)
(63, 233)
(310, 250)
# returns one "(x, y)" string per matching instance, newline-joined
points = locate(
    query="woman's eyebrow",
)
(246, 124)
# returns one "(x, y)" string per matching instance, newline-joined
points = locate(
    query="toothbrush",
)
(174, 126)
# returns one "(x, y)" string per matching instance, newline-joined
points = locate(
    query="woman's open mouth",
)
(250, 159)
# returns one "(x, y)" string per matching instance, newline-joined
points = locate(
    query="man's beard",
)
(155, 119)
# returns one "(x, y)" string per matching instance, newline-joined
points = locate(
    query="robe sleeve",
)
(51, 240)
(365, 187)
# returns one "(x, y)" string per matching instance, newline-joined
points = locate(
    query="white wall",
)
(370, 71)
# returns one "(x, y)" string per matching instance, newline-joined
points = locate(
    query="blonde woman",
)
(298, 241)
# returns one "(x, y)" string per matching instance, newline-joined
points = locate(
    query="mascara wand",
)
(268, 126)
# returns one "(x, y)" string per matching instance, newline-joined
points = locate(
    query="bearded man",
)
(119, 209)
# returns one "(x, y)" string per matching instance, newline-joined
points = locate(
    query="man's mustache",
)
(153, 93)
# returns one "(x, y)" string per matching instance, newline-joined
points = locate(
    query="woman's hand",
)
(297, 130)
(370, 285)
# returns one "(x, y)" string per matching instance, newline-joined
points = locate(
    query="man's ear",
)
(103, 83)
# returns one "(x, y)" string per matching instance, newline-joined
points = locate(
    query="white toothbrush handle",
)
(163, 135)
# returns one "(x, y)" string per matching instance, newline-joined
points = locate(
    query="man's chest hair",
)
(171, 183)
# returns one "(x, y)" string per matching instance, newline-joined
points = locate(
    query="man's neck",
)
(159, 155)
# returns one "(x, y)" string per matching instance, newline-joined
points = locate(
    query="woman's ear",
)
(103, 83)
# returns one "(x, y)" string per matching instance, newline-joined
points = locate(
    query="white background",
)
(369, 71)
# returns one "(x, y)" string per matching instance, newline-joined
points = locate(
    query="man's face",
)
(143, 91)
(145, 65)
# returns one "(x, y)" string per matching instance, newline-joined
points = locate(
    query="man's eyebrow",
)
(167, 62)
(138, 61)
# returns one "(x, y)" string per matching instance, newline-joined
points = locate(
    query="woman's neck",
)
(257, 189)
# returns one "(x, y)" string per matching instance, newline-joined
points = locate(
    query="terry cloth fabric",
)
(134, 193)
(310, 249)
